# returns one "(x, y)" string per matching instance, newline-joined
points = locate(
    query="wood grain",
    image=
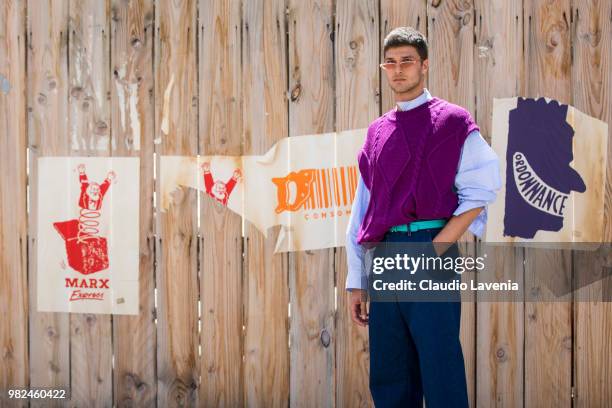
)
(450, 32)
(500, 334)
(311, 274)
(220, 126)
(357, 104)
(497, 52)
(548, 326)
(591, 39)
(132, 116)
(266, 290)
(48, 87)
(89, 109)
(13, 229)
(499, 328)
(176, 131)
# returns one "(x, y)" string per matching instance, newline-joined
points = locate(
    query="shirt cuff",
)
(477, 226)
(353, 281)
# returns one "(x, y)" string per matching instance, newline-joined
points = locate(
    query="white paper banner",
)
(306, 184)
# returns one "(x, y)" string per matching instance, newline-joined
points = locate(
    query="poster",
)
(553, 168)
(88, 234)
(305, 184)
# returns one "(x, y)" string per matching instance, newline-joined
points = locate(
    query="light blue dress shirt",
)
(477, 182)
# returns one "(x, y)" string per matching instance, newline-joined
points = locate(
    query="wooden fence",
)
(223, 321)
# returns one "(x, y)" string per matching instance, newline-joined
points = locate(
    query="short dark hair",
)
(401, 36)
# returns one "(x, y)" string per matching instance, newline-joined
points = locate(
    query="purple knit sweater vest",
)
(409, 162)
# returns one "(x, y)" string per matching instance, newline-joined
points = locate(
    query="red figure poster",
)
(216, 188)
(88, 235)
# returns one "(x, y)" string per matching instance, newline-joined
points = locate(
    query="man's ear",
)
(425, 67)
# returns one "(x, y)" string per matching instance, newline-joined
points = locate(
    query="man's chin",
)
(402, 89)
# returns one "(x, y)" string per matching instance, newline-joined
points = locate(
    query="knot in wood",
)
(567, 342)
(501, 354)
(136, 43)
(295, 92)
(51, 332)
(325, 338)
(101, 128)
(76, 92)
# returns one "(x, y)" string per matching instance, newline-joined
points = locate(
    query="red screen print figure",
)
(219, 190)
(87, 252)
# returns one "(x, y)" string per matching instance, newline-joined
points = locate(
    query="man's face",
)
(219, 190)
(411, 75)
(93, 191)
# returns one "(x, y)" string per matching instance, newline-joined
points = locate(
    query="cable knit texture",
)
(408, 162)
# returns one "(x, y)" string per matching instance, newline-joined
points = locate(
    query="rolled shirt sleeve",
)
(478, 179)
(355, 252)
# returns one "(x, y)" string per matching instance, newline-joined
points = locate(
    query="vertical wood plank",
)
(89, 79)
(13, 238)
(132, 110)
(547, 49)
(357, 104)
(176, 130)
(450, 33)
(592, 36)
(499, 338)
(266, 290)
(311, 273)
(498, 54)
(548, 331)
(399, 13)
(499, 330)
(47, 77)
(220, 127)
(88, 49)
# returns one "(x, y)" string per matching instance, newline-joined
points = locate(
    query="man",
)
(426, 176)
(217, 189)
(92, 193)
(87, 252)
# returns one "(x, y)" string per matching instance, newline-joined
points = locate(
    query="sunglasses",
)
(389, 66)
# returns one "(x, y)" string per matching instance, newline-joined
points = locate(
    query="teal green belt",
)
(418, 225)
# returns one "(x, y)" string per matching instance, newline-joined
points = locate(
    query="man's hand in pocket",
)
(358, 307)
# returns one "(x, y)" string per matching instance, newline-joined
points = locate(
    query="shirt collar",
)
(419, 100)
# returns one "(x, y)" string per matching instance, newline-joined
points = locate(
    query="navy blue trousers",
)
(414, 348)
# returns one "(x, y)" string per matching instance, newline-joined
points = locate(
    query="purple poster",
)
(553, 164)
